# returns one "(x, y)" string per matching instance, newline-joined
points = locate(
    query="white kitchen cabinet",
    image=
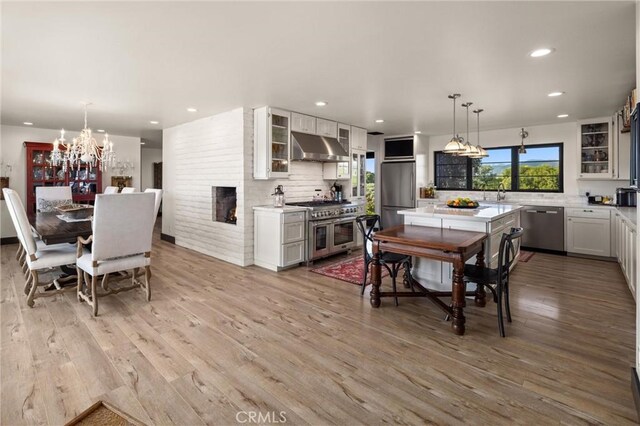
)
(626, 250)
(358, 175)
(337, 171)
(588, 231)
(280, 238)
(358, 138)
(595, 152)
(326, 128)
(303, 123)
(621, 150)
(271, 142)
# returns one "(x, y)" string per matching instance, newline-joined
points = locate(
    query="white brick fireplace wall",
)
(218, 151)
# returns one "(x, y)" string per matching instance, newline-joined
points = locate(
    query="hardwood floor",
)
(217, 340)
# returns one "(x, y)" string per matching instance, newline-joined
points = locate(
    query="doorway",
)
(370, 182)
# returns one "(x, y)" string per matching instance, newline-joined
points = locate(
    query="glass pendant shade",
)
(480, 152)
(456, 144)
(523, 134)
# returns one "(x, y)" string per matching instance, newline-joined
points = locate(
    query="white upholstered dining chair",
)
(111, 190)
(50, 197)
(158, 195)
(38, 256)
(128, 190)
(121, 241)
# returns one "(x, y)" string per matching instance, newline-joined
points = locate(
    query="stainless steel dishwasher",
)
(543, 227)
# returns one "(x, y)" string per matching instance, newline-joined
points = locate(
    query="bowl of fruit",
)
(463, 203)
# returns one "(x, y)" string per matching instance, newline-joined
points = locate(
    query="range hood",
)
(307, 147)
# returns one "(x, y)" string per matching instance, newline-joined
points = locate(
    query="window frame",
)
(515, 169)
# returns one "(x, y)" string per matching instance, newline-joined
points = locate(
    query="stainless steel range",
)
(331, 227)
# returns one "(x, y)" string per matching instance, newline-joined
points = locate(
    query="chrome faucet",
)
(484, 192)
(502, 193)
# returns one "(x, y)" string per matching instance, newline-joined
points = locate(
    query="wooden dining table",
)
(447, 245)
(53, 230)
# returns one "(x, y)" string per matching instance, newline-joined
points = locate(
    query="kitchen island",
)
(493, 219)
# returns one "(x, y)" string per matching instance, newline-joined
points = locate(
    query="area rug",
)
(349, 270)
(525, 256)
(104, 414)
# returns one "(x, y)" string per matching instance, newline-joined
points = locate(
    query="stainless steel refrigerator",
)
(397, 190)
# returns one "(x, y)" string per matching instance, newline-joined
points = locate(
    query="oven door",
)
(319, 239)
(344, 234)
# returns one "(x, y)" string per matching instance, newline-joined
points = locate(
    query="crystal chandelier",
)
(83, 150)
(455, 145)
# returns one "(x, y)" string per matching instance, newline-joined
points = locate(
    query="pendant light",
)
(481, 152)
(455, 145)
(523, 135)
(469, 149)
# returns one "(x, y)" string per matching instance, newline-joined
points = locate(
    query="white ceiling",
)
(150, 61)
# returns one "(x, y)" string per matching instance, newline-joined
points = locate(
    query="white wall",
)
(13, 152)
(218, 151)
(565, 133)
(148, 156)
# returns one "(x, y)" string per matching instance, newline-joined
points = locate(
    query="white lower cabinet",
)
(280, 238)
(589, 231)
(626, 247)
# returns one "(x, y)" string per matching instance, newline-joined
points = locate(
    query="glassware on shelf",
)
(38, 173)
(38, 157)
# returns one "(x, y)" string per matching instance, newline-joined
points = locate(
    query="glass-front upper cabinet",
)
(595, 153)
(279, 142)
(272, 141)
(358, 174)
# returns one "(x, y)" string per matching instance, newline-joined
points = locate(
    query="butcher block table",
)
(447, 245)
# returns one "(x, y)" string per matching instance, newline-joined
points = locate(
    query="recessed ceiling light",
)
(321, 103)
(142, 143)
(554, 94)
(379, 120)
(154, 122)
(191, 109)
(563, 115)
(541, 52)
(28, 123)
(417, 132)
(100, 130)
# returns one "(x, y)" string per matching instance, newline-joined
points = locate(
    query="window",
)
(539, 170)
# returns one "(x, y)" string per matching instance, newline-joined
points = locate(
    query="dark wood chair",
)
(497, 280)
(368, 224)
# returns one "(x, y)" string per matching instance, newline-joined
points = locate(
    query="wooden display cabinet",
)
(85, 183)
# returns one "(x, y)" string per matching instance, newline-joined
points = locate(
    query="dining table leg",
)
(458, 297)
(481, 294)
(376, 277)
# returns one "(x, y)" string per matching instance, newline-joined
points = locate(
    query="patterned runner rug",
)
(349, 270)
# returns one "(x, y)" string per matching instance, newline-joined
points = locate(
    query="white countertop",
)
(284, 209)
(484, 213)
(629, 214)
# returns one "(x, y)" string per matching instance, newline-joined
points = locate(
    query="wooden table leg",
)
(457, 297)
(481, 295)
(376, 278)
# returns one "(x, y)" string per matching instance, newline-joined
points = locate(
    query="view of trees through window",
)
(540, 169)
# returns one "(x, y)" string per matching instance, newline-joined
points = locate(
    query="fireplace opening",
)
(224, 204)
